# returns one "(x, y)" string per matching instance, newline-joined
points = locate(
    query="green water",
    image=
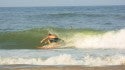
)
(30, 39)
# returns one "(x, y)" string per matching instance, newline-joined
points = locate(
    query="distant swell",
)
(60, 15)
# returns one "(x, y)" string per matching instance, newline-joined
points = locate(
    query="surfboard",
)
(50, 46)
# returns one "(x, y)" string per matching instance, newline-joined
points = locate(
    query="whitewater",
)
(64, 57)
(111, 39)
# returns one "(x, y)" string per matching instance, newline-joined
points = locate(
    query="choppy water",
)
(100, 17)
(93, 35)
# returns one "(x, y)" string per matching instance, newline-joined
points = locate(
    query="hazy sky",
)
(17, 3)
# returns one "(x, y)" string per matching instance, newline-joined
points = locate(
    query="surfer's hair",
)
(49, 34)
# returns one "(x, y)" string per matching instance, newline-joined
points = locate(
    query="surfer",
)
(51, 38)
(51, 41)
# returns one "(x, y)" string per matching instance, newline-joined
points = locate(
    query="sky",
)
(30, 3)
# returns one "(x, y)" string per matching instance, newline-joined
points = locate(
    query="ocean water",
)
(93, 35)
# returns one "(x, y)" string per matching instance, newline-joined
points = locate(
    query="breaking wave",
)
(111, 39)
(76, 38)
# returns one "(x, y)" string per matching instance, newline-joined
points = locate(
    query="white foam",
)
(99, 61)
(56, 60)
(112, 39)
(67, 59)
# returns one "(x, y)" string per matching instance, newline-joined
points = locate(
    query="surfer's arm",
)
(49, 41)
(43, 40)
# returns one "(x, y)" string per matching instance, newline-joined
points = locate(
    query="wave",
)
(75, 38)
(111, 39)
(30, 39)
(78, 14)
(66, 59)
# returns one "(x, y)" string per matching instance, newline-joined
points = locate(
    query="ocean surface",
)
(93, 35)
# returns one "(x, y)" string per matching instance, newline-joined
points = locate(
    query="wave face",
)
(29, 39)
(75, 38)
(66, 59)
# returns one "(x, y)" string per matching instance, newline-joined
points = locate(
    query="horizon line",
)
(64, 6)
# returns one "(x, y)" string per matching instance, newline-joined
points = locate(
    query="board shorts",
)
(54, 40)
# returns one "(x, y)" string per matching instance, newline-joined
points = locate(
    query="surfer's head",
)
(49, 34)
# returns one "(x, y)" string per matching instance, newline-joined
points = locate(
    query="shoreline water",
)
(59, 67)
